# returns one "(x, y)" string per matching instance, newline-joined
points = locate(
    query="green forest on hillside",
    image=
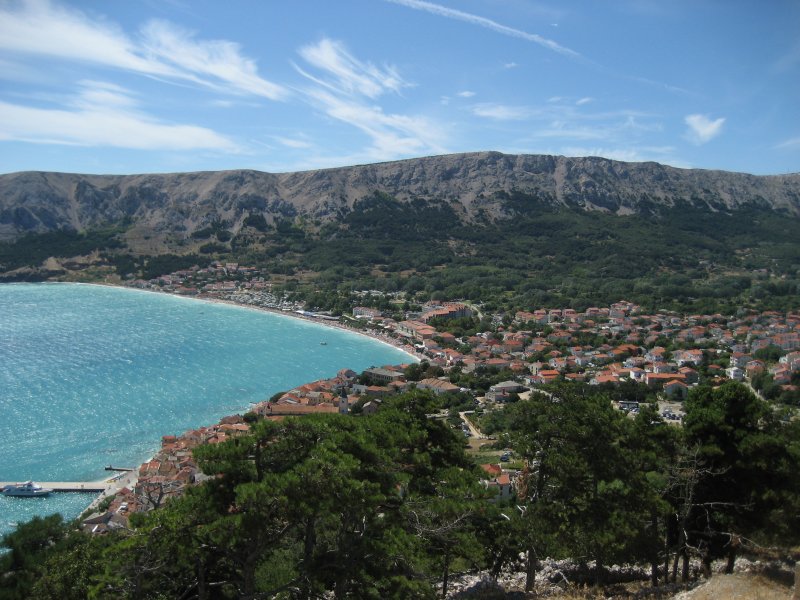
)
(535, 254)
(389, 505)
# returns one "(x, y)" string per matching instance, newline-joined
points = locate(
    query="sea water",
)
(93, 375)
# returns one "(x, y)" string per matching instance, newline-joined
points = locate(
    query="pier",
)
(67, 486)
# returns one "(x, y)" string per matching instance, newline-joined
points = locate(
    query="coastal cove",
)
(95, 375)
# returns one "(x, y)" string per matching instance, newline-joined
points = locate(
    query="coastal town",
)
(487, 360)
(400, 300)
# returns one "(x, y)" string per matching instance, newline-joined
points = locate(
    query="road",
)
(472, 429)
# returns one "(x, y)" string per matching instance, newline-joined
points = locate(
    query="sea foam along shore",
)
(130, 479)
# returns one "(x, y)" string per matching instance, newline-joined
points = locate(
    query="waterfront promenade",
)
(68, 486)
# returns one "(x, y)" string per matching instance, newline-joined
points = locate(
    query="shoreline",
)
(275, 311)
(130, 479)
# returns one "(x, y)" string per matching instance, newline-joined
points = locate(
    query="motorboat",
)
(26, 490)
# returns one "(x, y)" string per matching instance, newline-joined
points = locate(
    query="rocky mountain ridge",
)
(473, 184)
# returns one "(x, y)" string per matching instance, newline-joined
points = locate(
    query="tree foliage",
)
(389, 505)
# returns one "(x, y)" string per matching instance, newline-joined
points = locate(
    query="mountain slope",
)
(518, 231)
(186, 202)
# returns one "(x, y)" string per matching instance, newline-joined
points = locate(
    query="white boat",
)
(26, 490)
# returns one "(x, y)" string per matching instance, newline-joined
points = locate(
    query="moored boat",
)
(26, 490)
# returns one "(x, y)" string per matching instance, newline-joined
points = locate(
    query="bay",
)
(95, 375)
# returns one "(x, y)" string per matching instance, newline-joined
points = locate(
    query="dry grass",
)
(738, 586)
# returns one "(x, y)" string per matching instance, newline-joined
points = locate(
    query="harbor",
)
(67, 486)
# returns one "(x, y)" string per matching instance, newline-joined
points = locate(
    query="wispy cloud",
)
(658, 84)
(160, 49)
(346, 89)
(349, 75)
(297, 142)
(501, 112)
(562, 125)
(565, 118)
(452, 13)
(466, 94)
(215, 63)
(626, 155)
(510, 65)
(662, 154)
(104, 114)
(702, 129)
(614, 126)
(789, 60)
(791, 144)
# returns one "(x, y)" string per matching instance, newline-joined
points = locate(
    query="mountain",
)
(517, 231)
(474, 185)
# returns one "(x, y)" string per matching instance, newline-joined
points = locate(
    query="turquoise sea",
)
(91, 376)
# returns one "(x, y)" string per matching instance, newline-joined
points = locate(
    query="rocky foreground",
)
(565, 580)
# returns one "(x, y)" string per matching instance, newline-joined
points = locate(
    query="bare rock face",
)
(40, 202)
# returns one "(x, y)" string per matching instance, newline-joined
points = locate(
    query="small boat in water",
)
(26, 490)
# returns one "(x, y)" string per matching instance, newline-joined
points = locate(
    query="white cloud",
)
(559, 126)
(350, 75)
(103, 94)
(38, 27)
(789, 144)
(104, 115)
(347, 89)
(559, 129)
(293, 142)
(558, 118)
(583, 101)
(41, 28)
(702, 129)
(789, 60)
(501, 112)
(617, 127)
(458, 15)
(510, 65)
(662, 154)
(627, 155)
(466, 94)
(391, 135)
(215, 63)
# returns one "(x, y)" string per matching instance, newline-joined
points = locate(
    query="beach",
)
(383, 338)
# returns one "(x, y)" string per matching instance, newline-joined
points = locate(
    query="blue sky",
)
(179, 85)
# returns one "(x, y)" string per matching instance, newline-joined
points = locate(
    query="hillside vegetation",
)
(513, 231)
(389, 505)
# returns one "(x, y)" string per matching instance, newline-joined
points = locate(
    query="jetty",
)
(67, 486)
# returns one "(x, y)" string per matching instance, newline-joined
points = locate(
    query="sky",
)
(124, 86)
